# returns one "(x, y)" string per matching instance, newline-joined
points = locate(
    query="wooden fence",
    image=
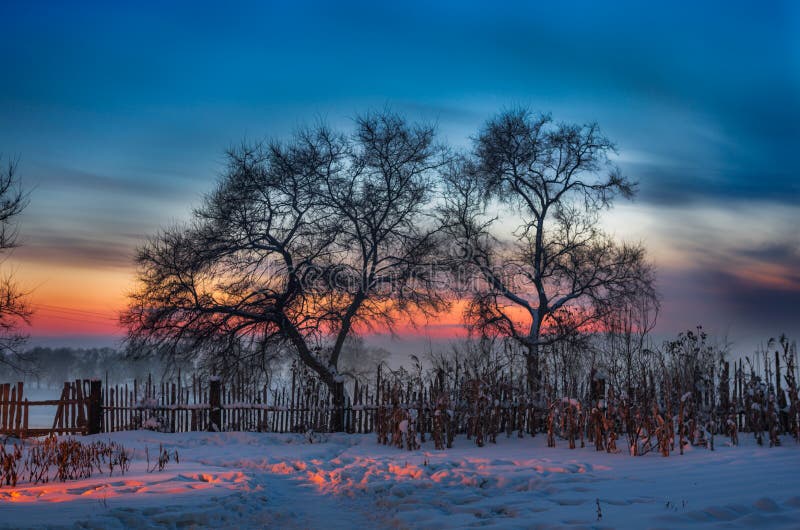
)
(87, 407)
(13, 410)
(302, 403)
(78, 404)
(178, 406)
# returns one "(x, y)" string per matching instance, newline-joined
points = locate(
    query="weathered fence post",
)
(95, 407)
(214, 401)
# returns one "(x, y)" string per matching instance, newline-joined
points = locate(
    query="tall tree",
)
(556, 270)
(302, 244)
(14, 308)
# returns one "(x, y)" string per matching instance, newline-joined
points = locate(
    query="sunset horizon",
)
(117, 136)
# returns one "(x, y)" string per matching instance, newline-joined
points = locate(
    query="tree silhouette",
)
(14, 309)
(302, 244)
(556, 270)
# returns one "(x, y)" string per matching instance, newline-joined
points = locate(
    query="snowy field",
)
(249, 480)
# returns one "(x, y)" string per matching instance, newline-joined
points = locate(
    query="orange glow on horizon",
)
(81, 300)
(76, 301)
(73, 300)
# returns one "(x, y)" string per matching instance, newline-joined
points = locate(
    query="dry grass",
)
(681, 394)
(54, 459)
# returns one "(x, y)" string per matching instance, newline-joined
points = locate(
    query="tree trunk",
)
(534, 379)
(335, 388)
(337, 415)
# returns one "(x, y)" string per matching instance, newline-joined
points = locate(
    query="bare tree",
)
(303, 244)
(626, 342)
(557, 270)
(14, 309)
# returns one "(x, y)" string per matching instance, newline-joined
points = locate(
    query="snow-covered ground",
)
(249, 480)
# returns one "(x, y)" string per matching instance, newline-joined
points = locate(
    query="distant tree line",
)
(51, 367)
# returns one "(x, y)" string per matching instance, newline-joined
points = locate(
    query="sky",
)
(119, 115)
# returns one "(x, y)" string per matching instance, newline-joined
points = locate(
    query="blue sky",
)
(120, 114)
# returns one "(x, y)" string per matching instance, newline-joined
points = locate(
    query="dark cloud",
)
(79, 218)
(745, 311)
(86, 250)
(786, 253)
(675, 186)
(754, 306)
